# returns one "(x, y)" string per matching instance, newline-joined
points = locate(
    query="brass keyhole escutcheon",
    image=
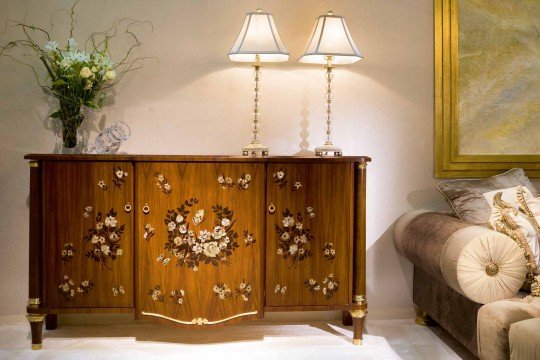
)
(271, 208)
(146, 209)
(128, 207)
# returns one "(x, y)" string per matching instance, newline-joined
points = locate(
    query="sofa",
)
(467, 278)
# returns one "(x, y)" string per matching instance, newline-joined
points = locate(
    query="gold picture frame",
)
(449, 163)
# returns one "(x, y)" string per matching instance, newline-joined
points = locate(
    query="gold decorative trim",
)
(35, 317)
(34, 302)
(198, 321)
(359, 299)
(358, 313)
(357, 341)
(37, 346)
(362, 166)
(33, 164)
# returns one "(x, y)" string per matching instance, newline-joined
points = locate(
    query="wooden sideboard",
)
(196, 241)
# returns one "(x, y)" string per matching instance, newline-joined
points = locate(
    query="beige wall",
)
(194, 101)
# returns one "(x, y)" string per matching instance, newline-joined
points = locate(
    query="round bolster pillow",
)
(483, 265)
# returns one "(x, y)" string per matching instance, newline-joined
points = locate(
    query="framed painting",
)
(487, 87)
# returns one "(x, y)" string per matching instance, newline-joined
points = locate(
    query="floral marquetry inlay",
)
(118, 290)
(119, 177)
(68, 251)
(207, 246)
(244, 290)
(227, 182)
(280, 178)
(248, 238)
(104, 238)
(329, 251)
(156, 294)
(329, 287)
(162, 183)
(280, 289)
(68, 291)
(148, 232)
(294, 239)
(177, 296)
(222, 291)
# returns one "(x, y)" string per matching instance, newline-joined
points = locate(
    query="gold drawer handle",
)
(271, 208)
(128, 207)
(146, 209)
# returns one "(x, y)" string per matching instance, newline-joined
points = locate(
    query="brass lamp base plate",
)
(255, 149)
(328, 149)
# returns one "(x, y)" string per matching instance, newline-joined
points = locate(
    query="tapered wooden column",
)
(359, 304)
(35, 311)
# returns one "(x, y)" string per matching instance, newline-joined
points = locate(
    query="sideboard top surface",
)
(194, 158)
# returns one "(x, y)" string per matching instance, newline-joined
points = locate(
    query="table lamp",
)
(330, 44)
(258, 42)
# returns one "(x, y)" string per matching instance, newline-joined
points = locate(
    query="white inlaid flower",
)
(171, 226)
(225, 222)
(293, 248)
(166, 261)
(179, 218)
(105, 249)
(119, 174)
(211, 249)
(280, 251)
(182, 229)
(285, 236)
(288, 221)
(177, 240)
(110, 221)
(119, 252)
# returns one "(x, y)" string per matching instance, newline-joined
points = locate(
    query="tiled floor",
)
(384, 339)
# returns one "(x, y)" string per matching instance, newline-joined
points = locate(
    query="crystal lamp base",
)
(255, 149)
(328, 149)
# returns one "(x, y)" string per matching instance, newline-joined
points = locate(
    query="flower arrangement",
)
(76, 76)
(105, 239)
(294, 239)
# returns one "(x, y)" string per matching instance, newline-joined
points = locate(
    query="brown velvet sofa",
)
(427, 239)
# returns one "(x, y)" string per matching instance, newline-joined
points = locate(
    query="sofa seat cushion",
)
(494, 321)
(524, 338)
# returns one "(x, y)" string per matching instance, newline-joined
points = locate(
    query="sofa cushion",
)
(524, 339)
(494, 321)
(467, 196)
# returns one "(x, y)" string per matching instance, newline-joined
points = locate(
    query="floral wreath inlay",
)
(222, 291)
(244, 290)
(67, 287)
(329, 251)
(329, 286)
(248, 238)
(243, 181)
(119, 177)
(148, 232)
(105, 239)
(156, 294)
(68, 252)
(280, 289)
(162, 183)
(280, 177)
(293, 238)
(118, 290)
(210, 247)
(177, 296)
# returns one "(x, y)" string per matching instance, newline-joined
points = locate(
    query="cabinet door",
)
(200, 240)
(88, 234)
(309, 234)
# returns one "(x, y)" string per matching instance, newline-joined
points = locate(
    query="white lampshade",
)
(259, 36)
(331, 37)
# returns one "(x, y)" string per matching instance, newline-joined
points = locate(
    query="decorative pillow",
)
(530, 206)
(508, 220)
(467, 196)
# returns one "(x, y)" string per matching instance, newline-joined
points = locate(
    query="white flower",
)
(283, 289)
(280, 175)
(311, 281)
(296, 239)
(171, 226)
(247, 177)
(276, 290)
(72, 293)
(161, 178)
(333, 252)
(121, 289)
(88, 209)
(297, 185)
(177, 240)
(285, 236)
(95, 239)
(101, 240)
(166, 261)
(195, 268)
(279, 251)
(109, 75)
(64, 252)
(167, 187)
(225, 222)
(218, 232)
(288, 221)
(244, 297)
(99, 226)
(69, 252)
(111, 221)
(222, 245)
(242, 286)
(211, 249)
(119, 173)
(197, 249)
(182, 229)
(221, 179)
(51, 45)
(113, 236)
(115, 292)
(85, 72)
(330, 285)
(303, 239)
(119, 252)
(182, 292)
(301, 251)
(180, 301)
(292, 249)
(105, 249)
(317, 288)
(179, 218)
(72, 42)
(65, 287)
(125, 174)
(299, 226)
(160, 257)
(228, 180)
(324, 291)
(204, 235)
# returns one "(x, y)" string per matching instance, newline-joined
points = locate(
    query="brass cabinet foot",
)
(36, 326)
(358, 321)
(422, 318)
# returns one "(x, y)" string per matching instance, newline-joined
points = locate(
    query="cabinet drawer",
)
(87, 234)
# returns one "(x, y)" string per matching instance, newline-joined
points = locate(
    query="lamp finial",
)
(330, 12)
(259, 10)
